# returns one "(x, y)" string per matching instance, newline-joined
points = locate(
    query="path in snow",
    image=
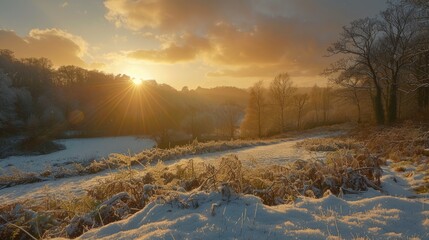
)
(278, 153)
(393, 214)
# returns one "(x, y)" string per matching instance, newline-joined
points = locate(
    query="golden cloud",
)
(172, 14)
(242, 38)
(271, 45)
(172, 52)
(61, 47)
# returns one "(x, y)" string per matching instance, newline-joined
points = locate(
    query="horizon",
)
(196, 43)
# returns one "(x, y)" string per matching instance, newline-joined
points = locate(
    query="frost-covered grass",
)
(14, 176)
(329, 144)
(406, 147)
(128, 191)
(344, 196)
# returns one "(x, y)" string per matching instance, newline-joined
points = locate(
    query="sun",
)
(137, 81)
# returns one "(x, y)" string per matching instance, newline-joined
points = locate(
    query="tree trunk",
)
(357, 105)
(393, 104)
(259, 124)
(378, 106)
(359, 113)
(283, 121)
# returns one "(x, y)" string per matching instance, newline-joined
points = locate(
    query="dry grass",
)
(329, 144)
(352, 167)
(16, 177)
(127, 191)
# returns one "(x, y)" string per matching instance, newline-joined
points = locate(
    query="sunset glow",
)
(203, 43)
(137, 81)
(214, 119)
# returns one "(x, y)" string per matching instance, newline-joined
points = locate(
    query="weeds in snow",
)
(353, 167)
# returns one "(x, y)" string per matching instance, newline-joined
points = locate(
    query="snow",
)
(395, 213)
(77, 150)
(245, 217)
(274, 154)
(278, 153)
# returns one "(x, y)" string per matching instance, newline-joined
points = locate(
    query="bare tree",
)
(300, 101)
(326, 102)
(353, 84)
(398, 40)
(229, 114)
(382, 49)
(281, 90)
(358, 44)
(254, 118)
(315, 98)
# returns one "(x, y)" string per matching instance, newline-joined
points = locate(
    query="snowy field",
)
(245, 217)
(77, 150)
(395, 213)
(269, 154)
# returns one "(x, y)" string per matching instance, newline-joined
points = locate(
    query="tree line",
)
(282, 106)
(381, 68)
(39, 100)
(386, 59)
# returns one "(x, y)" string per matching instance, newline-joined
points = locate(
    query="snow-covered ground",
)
(77, 150)
(245, 217)
(396, 213)
(278, 153)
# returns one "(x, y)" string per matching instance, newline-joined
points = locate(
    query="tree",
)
(7, 103)
(398, 40)
(229, 114)
(254, 118)
(70, 75)
(300, 101)
(316, 100)
(326, 102)
(359, 48)
(418, 72)
(382, 49)
(198, 123)
(353, 85)
(281, 90)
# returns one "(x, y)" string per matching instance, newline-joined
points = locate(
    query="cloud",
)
(61, 47)
(265, 71)
(188, 50)
(271, 41)
(242, 38)
(97, 65)
(272, 44)
(173, 14)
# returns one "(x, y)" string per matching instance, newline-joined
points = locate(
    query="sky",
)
(190, 43)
